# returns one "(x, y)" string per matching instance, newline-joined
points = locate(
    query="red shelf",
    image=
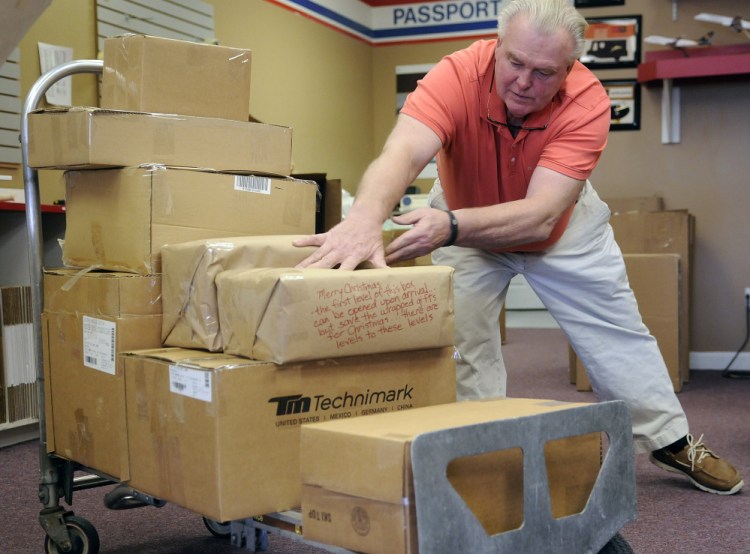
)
(695, 63)
(19, 207)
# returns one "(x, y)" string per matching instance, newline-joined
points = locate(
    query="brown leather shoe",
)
(706, 470)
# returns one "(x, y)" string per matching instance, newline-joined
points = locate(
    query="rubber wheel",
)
(83, 537)
(221, 530)
(618, 545)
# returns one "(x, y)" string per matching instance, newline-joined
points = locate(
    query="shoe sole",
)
(671, 469)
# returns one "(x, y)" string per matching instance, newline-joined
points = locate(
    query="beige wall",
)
(339, 96)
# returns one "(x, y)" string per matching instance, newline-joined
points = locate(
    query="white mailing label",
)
(99, 344)
(190, 382)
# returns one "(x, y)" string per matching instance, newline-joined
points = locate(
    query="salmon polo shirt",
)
(481, 164)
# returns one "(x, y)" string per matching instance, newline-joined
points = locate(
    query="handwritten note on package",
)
(285, 315)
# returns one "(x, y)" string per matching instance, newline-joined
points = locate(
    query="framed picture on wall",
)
(625, 104)
(597, 3)
(612, 42)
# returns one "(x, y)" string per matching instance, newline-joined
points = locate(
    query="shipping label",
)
(99, 344)
(190, 382)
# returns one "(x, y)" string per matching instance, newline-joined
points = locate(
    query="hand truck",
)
(445, 523)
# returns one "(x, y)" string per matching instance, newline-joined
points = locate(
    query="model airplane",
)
(737, 23)
(679, 42)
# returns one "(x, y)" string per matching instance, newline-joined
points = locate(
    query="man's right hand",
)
(348, 244)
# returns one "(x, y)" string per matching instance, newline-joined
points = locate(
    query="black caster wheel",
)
(220, 530)
(83, 538)
(618, 545)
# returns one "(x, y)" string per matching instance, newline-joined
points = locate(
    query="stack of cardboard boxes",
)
(162, 161)
(170, 159)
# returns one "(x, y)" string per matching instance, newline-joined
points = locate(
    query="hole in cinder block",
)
(492, 484)
(573, 465)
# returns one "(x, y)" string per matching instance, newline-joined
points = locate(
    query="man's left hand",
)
(431, 230)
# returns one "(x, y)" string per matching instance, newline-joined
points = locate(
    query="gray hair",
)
(547, 16)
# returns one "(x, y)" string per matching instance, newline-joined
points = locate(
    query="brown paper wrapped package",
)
(191, 319)
(284, 315)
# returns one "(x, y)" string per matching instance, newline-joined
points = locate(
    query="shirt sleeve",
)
(439, 101)
(578, 145)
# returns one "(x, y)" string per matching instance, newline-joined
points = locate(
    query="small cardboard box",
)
(89, 319)
(363, 466)
(655, 280)
(331, 313)
(189, 269)
(119, 219)
(667, 232)
(220, 435)
(85, 138)
(162, 75)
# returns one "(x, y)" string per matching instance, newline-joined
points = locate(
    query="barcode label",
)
(190, 382)
(99, 344)
(252, 183)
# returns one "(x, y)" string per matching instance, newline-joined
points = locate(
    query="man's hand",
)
(346, 245)
(431, 230)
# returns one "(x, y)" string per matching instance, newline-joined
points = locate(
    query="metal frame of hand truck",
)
(445, 522)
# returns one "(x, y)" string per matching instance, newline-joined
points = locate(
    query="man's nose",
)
(524, 79)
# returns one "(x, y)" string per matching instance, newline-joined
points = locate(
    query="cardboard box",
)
(220, 435)
(189, 269)
(363, 466)
(667, 232)
(162, 75)
(655, 280)
(119, 219)
(85, 138)
(89, 319)
(330, 313)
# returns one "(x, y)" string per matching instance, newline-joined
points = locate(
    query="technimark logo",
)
(300, 404)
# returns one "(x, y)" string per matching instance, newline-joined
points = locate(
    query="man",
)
(518, 126)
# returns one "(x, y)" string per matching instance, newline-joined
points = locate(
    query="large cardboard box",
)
(119, 219)
(154, 74)
(666, 232)
(330, 313)
(656, 283)
(220, 435)
(89, 318)
(70, 138)
(362, 467)
(189, 269)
